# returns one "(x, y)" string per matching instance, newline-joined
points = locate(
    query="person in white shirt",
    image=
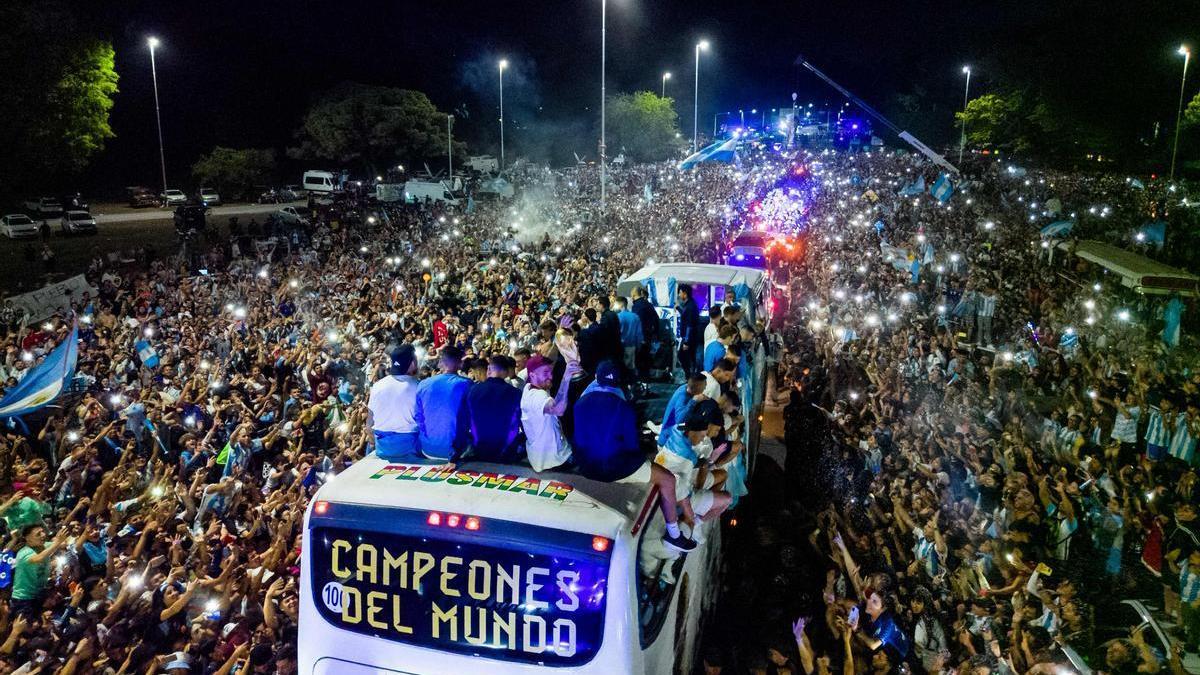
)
(391, 408)
(544, 443)
(721, 374)
(714, 324)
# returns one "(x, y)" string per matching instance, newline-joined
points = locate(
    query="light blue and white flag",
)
(647, 193)
(917, 187)
(721, 151)
(1058, 228)
(942, 189)
(1154, 233)
(45, 381)
(146, 353)
(1137, 184)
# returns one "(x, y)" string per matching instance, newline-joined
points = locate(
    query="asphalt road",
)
(106, 214)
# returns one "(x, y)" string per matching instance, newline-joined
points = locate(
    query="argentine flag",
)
(1059, 228)
(942, 188)
(45, 381)
(146, 353)
(721, 151)
(917, 187)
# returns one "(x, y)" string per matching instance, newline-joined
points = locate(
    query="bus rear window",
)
(461, 596)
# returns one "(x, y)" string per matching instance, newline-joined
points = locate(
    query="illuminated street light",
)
(700, 46)
(962, 141)
(665, 77)
(1187, 56)
(502, 65)
(152, 42)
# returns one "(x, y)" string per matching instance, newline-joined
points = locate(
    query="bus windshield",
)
(505, 596)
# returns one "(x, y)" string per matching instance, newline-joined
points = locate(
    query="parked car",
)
(292, 193)
(18, 225)
(208, 196)
(78, 222)
(173, 198)
(44, 207)
(291, 215)
(268, 195)
(142, 196)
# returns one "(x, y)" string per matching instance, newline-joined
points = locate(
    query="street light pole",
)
(703, 44)
(162, 156)
(603, 60)
(665, 77)
(962, 139)
(450, 147)
(1187, 56)
(503, 65)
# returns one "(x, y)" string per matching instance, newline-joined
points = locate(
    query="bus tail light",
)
(434, 518)
(600, 544)
(453, 520)
(321, 507)
(472, 523)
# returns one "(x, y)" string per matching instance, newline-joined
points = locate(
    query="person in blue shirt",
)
(494, 411)
(715, 350)
(691, 333)
(606, 447)
(680, 404)
(441, 417)
(631, 334)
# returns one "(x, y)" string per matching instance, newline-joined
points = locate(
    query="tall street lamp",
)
(665, 77)
(503, 64)
(603, 119)
(962, 139)
(700, 46)
(450, 148)
(1187, 56)
(162, 155)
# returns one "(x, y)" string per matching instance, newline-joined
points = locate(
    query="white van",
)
(419, 191)
(320, 181)
(482, 163)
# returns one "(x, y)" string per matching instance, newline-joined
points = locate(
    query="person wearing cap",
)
(605, 447)
(391, 409)
(440, 412)
(686, 454)
(494, 413)
(544, 443)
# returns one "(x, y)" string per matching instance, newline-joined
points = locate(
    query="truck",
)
(419, 191)
(482, 164)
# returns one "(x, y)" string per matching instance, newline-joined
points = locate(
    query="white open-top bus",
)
(495, 569)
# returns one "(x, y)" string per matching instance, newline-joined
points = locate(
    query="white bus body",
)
(412, 571)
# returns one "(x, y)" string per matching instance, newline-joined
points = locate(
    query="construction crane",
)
(904, 135)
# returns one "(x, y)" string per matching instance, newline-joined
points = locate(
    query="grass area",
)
(75, 252)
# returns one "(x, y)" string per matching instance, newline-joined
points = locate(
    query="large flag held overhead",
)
(1058, 228)
(146, 353)
(721, 151)
(942, 188)
(917, 187)
(1155, 233)
(45, 381)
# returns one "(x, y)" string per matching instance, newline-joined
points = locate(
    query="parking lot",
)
(119, 228)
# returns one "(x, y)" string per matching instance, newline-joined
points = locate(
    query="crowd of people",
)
(985, 451)
(988, 450)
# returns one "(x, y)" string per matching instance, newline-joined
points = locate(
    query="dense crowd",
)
(989, 450)
(985, 451)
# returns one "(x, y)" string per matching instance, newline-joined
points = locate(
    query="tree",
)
(234, 172)
(997, 121)
(373, 126)
(58, 92)
(644, 126)
(1191, 114)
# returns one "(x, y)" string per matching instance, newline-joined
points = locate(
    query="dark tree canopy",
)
(644, 126)
(234, 171)
(373, 127)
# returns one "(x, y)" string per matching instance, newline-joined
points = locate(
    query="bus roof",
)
(516, 493)
(694, 273)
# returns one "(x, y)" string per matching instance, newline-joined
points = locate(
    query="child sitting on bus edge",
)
(605, 447)
(687, 454)
(391, 409)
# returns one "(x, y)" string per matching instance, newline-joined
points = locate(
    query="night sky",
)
(241, 73)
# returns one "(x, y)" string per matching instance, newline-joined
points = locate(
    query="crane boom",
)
(904, 135)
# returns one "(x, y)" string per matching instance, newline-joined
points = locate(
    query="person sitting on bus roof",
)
(494, 411)
(715, 380)
(605, 447)
(711, 331)
(715, 351)
(680, 404)
(440, 412)
(544, 443)
(391, 409)
(686, 454)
